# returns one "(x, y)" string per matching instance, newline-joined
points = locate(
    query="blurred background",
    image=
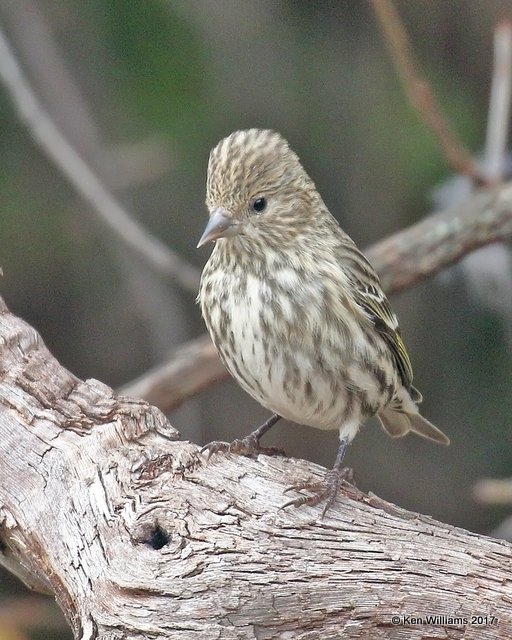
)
(143, 90)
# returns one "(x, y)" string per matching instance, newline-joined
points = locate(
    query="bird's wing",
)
(372, 299)
(368, 295)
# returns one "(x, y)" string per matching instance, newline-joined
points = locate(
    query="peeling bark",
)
(102, 505)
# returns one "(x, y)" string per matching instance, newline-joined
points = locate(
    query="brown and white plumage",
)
(296, 312)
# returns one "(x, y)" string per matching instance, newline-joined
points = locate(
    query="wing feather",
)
(368, 295)
(376, 305)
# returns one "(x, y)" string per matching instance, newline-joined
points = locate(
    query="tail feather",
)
(394, 424)
(398, 424)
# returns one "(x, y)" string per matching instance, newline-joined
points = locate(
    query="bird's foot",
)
(249, 446)
(323, 491)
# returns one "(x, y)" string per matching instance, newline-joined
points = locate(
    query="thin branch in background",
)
(402, 261)
(45, 132)
(499, 103)
(157, 305)
(420, 93)
(53, 80)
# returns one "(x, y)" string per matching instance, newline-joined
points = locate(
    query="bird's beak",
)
(219, 225)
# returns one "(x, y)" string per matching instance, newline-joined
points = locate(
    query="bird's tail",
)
(398, 423)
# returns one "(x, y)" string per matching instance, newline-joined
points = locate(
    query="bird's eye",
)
(259, 205)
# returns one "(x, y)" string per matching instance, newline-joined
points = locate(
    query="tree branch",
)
(102, 504)
(402, 260)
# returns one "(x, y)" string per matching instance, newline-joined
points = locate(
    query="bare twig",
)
(83, 178)
(499, 105)
(402, 260)
(420, 93)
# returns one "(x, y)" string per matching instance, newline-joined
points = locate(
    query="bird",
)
(296, 312)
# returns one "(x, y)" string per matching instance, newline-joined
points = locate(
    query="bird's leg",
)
(248, 446)
(326, 489)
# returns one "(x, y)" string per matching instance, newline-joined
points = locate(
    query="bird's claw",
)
(248, 446)
(217, 446)
(323, 491)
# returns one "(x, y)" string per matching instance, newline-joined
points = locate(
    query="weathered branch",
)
(402, 260)
(102, 505)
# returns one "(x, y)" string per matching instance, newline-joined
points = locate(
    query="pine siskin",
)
(295, 310)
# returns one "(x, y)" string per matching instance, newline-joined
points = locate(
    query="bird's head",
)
(256, 188)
